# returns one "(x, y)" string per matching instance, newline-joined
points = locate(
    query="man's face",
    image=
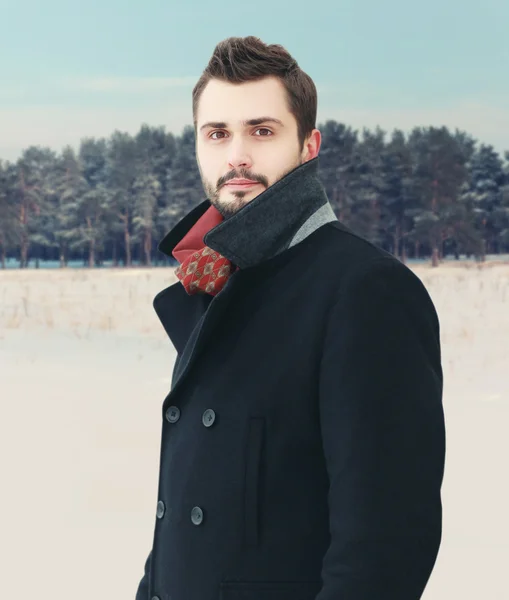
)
(263, 152)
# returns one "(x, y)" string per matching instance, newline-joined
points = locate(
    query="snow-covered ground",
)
(84, 368)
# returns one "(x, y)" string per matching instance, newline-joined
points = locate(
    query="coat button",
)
(197, 515)
(173, 414)
(160, 509)
(208, 418)
(155, 598)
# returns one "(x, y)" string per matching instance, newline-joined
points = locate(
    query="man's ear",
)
(312, 145)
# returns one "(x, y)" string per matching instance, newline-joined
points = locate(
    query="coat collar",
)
(278, 218)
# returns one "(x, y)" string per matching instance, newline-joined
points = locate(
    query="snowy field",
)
(84, 368)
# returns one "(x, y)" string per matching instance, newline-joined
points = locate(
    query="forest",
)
(426, 194)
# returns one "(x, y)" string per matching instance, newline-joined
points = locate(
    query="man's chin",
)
(240, 195)
(248, 191)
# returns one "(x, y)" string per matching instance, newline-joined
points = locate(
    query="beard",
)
(236, 199)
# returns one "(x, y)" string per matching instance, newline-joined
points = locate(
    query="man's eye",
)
(264, 129)
(214, 133)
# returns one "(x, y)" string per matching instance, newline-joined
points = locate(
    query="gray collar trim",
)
(322, 215)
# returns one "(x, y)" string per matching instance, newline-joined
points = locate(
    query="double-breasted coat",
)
(303, 438)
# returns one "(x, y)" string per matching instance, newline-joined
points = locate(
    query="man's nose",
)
(239, 158)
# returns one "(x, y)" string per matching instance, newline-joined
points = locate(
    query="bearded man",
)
(303, 438)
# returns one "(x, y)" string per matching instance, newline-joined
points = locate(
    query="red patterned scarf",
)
(202, 270)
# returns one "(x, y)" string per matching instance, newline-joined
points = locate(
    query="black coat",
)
(303, 439)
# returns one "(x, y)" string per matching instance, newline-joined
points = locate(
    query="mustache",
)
(243, 175)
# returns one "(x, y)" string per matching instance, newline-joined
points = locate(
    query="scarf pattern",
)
(204, 271)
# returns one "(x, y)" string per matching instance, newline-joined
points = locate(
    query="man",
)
(303, 439)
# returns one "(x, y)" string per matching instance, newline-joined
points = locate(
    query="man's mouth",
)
(242, 185)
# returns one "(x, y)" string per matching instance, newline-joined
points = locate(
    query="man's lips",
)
(234, 184)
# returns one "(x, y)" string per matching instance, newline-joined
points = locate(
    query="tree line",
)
(428, 193)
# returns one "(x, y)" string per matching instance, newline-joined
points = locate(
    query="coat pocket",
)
(254, 450)
(269, 590)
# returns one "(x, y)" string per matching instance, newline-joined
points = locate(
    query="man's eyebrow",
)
(249, 122)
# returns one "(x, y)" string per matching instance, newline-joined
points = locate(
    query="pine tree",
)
(32, 193)
(337, 166)
(483, 195)
(183, 184)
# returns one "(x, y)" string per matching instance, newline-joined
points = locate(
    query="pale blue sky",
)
(71, 69)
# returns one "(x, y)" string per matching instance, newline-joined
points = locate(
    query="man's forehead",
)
(265, 84)
(237, 104)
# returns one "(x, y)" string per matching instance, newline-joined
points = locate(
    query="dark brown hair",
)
(237, 60)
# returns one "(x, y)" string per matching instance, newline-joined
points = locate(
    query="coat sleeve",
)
(142, 592)
(383, 435)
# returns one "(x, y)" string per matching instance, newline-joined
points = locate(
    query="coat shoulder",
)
(351, 253)
(359, 262)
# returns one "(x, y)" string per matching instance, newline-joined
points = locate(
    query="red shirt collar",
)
(193, 240)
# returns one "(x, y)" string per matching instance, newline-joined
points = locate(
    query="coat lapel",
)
(190, 322)
(179, 312)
